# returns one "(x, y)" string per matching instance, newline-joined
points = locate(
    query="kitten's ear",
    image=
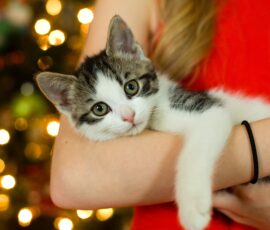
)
(56, 87)
(121, 41)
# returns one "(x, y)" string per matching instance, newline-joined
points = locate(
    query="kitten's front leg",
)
(204, 143)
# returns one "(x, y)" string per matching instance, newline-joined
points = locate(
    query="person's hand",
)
(246, 204)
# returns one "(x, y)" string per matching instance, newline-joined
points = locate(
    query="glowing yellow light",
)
(2, 165)
(4, 136)
(84, 28)
(56, 38)
(85, 16)
(84, 214)
(63, 223)
(42, 26)
(53, 7)
(53, 128)
(25, 217)
(56, 222)
(33, 151)
(4, 202)
(21, 124)
(8, 182)
(104, 214)
(44, 47)
(43, 42)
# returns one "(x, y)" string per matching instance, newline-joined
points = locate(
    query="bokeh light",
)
(27, 89)
(21, 124)
(4, 202)
(53, 7)
(84, 28)
(43, 42)
(85, 16)
(4, 137)
(84, 214)
(53, 128)
(42, 26)
(104, 214)
(63, 223)
(45, 62)
(33, 151)
(25, 217)
(2, 165)
(56, 37)
(8, 182)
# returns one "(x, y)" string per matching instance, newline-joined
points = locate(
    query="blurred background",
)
(39, 35)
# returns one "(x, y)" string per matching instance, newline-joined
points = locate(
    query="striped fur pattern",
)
(118, 93)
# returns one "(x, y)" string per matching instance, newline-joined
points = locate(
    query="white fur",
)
(205, 136)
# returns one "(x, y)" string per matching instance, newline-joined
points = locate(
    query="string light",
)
(85, 16)
(25, 217)
(53, 128)
(4, 202)
(4, 136)
(53, 7)
(8, 182)
(104, 214)
(2, 166)
(42, 26)
(84, 214)
(56, 37)
(63, 223)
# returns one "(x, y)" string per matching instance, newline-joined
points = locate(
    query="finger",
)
(232, 215)
(240, 189)
(225, 200)
(249, 193)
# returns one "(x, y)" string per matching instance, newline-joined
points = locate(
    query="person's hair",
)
(187, 35)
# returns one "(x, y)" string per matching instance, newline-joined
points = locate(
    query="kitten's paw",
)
(195, 212)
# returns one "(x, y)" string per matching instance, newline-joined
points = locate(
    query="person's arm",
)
(136, 170)
(139, 170)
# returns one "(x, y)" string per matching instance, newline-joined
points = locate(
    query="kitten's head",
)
(112, 94)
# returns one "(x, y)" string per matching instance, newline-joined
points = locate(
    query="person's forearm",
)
(235, 166)
(140, 170)
(123, 172)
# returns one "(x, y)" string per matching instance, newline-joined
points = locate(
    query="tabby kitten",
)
(118, 93)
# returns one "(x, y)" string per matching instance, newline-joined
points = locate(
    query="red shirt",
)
(239, 61)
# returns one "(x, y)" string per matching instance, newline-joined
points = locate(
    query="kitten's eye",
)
(100, 109)
(131, 87)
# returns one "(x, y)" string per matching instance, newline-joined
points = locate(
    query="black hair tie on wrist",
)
(254, 152)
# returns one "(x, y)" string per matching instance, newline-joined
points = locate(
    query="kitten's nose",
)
(129, 117)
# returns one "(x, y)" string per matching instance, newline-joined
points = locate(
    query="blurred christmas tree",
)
(37, 36)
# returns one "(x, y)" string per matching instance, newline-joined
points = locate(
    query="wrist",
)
(235, 164)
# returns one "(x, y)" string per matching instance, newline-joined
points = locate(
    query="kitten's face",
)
(122, 100)
(113, 93)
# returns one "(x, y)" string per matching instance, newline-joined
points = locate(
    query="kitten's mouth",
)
(135, 128)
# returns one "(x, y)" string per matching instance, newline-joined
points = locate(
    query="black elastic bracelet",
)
(254, 152)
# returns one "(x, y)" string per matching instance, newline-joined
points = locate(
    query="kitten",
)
(118, 93)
